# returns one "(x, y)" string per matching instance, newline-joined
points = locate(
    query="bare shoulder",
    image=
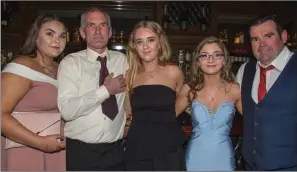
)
(16, 79)
(173, 70)
(235, 89)
(25, 61)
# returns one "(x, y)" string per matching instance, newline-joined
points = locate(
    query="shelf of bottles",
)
(118, 43)
(183, 58)
(184, 13)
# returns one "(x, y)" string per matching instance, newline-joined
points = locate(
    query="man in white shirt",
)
(91, 102)
(269, 96)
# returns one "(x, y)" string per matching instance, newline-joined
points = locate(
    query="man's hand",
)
(114, 85)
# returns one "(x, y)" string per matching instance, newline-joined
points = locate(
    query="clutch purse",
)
(41, 123)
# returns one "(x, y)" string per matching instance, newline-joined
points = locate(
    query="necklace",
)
(153, 74)
(46, 69)
(212, 96)
(49, 72)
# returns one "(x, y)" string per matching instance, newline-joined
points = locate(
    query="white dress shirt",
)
(80, 96)
(271, 76)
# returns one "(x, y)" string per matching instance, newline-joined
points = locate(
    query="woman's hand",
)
(51, 143)
(182, 101)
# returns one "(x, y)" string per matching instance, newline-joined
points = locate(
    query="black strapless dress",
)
(154, 130)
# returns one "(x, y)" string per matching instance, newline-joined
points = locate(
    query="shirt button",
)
(256, 123)
(255, 138)
(254, 152)
(104, 118)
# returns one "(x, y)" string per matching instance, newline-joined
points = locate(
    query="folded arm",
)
(70, 103)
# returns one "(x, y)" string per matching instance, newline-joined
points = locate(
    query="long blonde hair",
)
(196, 79)
(164, 54)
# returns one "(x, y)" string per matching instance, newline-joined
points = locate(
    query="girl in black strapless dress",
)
(155, 138)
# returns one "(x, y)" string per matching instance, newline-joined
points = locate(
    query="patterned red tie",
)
(262, 85)
(109, 106)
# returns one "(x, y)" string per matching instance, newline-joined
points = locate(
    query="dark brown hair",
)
(29, 47)
(263, 18)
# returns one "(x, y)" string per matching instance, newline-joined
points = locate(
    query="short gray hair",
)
(94, 9)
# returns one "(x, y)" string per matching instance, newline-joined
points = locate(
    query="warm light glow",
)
(118, 47)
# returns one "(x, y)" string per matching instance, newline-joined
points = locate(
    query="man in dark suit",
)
(269, 98)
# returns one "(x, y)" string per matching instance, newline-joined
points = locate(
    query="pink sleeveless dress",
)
(41, 97)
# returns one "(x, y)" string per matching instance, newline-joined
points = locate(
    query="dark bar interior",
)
(186, 23)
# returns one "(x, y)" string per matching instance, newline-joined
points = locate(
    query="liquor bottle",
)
(165, 18)
(188, 63)
(181, 58)
(9, 55)
(184, 19)
(4, 16)
(7, 9)
(121, 37)
(114, 36)
(203, 20)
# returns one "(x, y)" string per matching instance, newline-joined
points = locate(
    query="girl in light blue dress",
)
(213, 96)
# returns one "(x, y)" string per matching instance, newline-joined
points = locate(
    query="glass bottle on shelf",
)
(188, 63)
(9, 54)
(165, 18)
(121, 37)
(225, 33)
(241, 38)
(4, 17)
(114, 36)
(236, 39)
(184, 21)
(181, 58)
(75, 36)
(203, 20)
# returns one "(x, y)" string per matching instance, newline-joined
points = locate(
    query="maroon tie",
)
(109, 106)
(262, 85)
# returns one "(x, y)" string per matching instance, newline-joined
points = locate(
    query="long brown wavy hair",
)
(196, 79)
(29, 48)
(164, 54)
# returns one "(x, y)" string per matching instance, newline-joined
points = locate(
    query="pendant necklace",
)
(212, 98)
(46, 69)
(152, 75)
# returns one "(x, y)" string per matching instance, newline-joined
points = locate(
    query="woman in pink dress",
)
(28, 84)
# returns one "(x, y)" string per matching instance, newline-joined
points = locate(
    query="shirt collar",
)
(281, 60)
(93, 55)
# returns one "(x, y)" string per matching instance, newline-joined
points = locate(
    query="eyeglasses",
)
(216, 56)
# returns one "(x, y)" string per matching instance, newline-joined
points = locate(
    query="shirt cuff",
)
(102, 93)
